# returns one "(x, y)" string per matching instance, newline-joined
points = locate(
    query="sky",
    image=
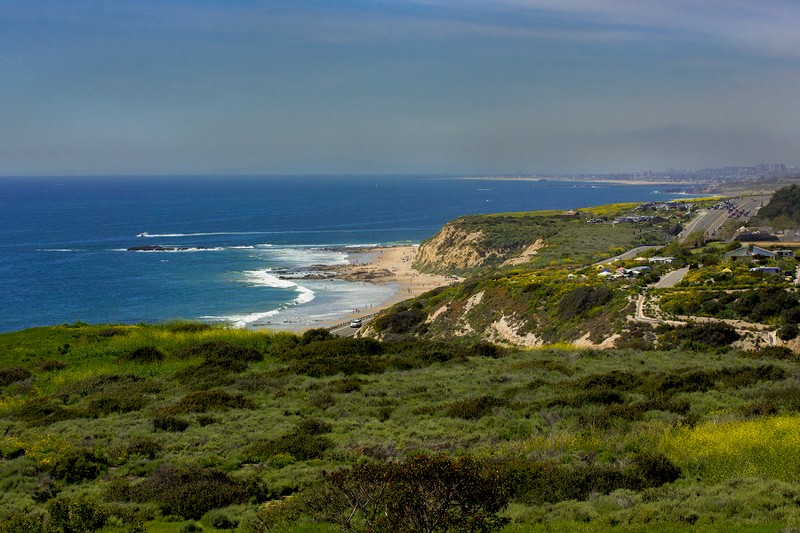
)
(110, 87)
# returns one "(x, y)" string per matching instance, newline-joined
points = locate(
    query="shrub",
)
(421, 494)
(474, 408)
(788, 332)
(191, 491)
(221, 351)
(652, 470)
(704, 335)
(144, 447)
(13, 374)
(316, 335)
(188, 327)
(304, 443)
(43, 412)
(774, 352)
(170, 423)
(401, 321)
(213, 400)
(81, 515)
(48, 365)
(77, 464)
(144, 354)
(581, 300)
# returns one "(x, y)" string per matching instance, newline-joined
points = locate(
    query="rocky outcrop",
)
(452, 249)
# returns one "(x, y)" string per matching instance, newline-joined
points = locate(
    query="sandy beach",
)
(385, 265)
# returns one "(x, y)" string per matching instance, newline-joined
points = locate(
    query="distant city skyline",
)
(392, 87)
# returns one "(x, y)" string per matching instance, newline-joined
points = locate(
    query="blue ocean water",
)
(64, 241)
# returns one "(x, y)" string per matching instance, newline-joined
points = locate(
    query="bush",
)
(78, 464)
(316, 335)
(78, 516)
(144, 447)
(191, 491)
(421, 494)
(581, 300)
(401, 321)
(221, 351)
(304, 443)
(774, 352)
(788, 332)
(48, 365)
(170, 423)
(145, 354)
(12, 375)
(213, 400)
(474, 408)
(704, 335)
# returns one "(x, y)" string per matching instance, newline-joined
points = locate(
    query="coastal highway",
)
(709, 221)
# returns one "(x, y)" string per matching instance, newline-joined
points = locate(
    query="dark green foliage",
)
(788, 332)
(145, 354)
(316, 335)
(400, 321)
(77, 464)
(48, 365)
(537, 482)
(94, 385)
(167, 422)
(341, 355)
(485, 349)
(703, 336)
(304, 443)
(144, 447)
(474, 408)
(581, 300)
(784, 204)
(122, 398)
(43, 412)
(221, 359)
(221, 351)
(191, 491)
(213, 400)
(345, 385)
(221, 520)
(75, 516)
(421, 494)
(13, 374)
(774, 352)
(313, 426)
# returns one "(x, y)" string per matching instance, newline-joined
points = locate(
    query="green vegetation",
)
(310, 433)
(782, 211)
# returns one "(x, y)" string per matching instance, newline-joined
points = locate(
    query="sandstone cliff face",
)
(452, 249)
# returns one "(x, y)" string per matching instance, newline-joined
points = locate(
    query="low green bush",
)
(474, 408)
(76, 464)
(171, 423)
(191, 491)
(13, 374)
(304, 443)
(144, 354)
(212, 400)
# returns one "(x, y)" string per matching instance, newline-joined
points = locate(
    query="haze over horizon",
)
(405, 86)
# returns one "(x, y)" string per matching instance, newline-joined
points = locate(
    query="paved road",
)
(671, 278)
(710, 220)
(630, 254)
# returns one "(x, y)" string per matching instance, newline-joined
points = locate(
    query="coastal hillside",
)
(534, 279)
(530, 277)
(548, 238)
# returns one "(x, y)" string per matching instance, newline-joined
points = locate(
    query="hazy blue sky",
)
(388, 86)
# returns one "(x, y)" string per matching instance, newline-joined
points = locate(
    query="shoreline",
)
(382, 265)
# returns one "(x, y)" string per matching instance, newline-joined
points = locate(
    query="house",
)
(662, 260)
(786, 254)
(749, 251)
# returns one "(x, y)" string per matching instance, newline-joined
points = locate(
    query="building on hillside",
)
(662, 260)
(785, 254)
(749, 251)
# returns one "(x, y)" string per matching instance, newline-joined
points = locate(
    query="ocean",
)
(230, 249)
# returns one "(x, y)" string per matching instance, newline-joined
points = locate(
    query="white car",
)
(355, 323)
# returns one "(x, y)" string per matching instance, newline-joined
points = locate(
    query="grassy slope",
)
(538, 409)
